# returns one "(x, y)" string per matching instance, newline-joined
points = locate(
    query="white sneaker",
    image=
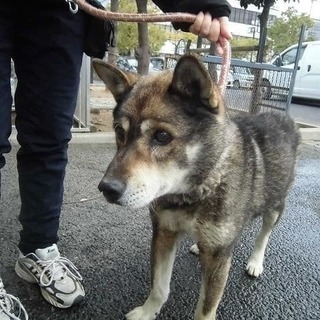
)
(58, 278)
(10, 306)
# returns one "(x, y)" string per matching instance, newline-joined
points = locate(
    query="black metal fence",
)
(255, 87)
(251, 87)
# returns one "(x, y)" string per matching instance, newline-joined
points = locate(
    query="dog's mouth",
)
(118, 192)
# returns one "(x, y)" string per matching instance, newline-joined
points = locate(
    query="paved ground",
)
(110, 245)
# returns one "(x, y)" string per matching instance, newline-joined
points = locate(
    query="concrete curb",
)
(80, 137)
(93, 137)
(309, 135)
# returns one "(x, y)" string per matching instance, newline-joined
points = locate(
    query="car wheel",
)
(236, 84)
(265, 89)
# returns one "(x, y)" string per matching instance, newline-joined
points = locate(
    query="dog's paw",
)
(194, 249)
(254, 268)
(140, 313)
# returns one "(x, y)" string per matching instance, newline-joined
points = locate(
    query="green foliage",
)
(128, 31)
(286, 29)
(157, 38)
(243, 42)
(127, 37)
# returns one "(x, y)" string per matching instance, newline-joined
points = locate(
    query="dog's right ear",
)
(191, 79)
(118, 82)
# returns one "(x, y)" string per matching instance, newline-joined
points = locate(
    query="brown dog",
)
(201, 172)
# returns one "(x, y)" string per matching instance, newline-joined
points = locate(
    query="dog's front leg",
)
(215, 270)
(163, 250)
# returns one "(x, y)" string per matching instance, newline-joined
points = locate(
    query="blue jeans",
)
(45, 41)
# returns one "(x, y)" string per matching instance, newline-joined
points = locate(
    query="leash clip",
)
(73, 7)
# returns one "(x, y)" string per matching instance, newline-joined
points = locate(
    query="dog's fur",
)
(201, 172)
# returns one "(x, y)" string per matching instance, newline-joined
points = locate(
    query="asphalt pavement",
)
(111, 247)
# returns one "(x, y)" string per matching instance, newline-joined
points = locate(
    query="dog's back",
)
(270, 142)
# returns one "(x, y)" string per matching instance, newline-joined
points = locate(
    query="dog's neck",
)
(175, 201)
(210, 186)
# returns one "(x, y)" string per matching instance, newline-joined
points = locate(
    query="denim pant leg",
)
(48, 53)
(6, 32)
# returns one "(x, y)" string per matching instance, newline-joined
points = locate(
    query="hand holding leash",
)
(211, 28)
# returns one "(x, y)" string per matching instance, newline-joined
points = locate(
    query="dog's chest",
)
(200, 227)
(177, 220)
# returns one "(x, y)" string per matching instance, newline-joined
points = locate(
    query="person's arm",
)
(212, 21)
(216, 8)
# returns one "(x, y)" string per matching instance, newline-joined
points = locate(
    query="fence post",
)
(82, 112)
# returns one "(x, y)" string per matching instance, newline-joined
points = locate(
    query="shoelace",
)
(9, 302)
(57, 269)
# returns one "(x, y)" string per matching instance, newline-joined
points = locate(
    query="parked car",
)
(127, 64)
(158, 63)
(131, 64)
(242, 77)
(308, 73)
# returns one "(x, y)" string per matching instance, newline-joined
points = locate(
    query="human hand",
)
(212, 29)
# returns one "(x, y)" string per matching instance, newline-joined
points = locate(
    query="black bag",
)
(99, 33)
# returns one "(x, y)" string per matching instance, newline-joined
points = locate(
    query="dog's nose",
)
(112, 189)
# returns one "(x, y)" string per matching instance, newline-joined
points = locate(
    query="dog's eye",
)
(162, 137)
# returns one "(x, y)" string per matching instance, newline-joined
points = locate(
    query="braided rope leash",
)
(164, 17)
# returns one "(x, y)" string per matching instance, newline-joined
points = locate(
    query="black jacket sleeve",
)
(217, 8)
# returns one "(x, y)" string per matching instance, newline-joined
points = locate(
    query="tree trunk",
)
(142, 52)
(113, 51)
(199, 42)
(256, 97)
(263, 17)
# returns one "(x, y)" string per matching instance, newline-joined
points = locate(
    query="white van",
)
(307, 82)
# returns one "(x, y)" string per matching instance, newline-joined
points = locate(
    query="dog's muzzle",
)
(112, 189)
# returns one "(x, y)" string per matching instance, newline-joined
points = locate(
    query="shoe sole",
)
(55, 303)
(25, 275)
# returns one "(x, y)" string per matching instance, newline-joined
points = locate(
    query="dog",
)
(200, 171)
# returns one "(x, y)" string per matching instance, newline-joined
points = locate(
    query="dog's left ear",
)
(118, 82)
(191, 79)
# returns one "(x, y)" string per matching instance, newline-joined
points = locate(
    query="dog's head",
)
(163, 125)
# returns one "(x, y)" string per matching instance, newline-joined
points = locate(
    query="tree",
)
(127, 31)
(142, 37)
(263, 17)
(113, 50)
(142, 51)
(289, 26)
(266, 4)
